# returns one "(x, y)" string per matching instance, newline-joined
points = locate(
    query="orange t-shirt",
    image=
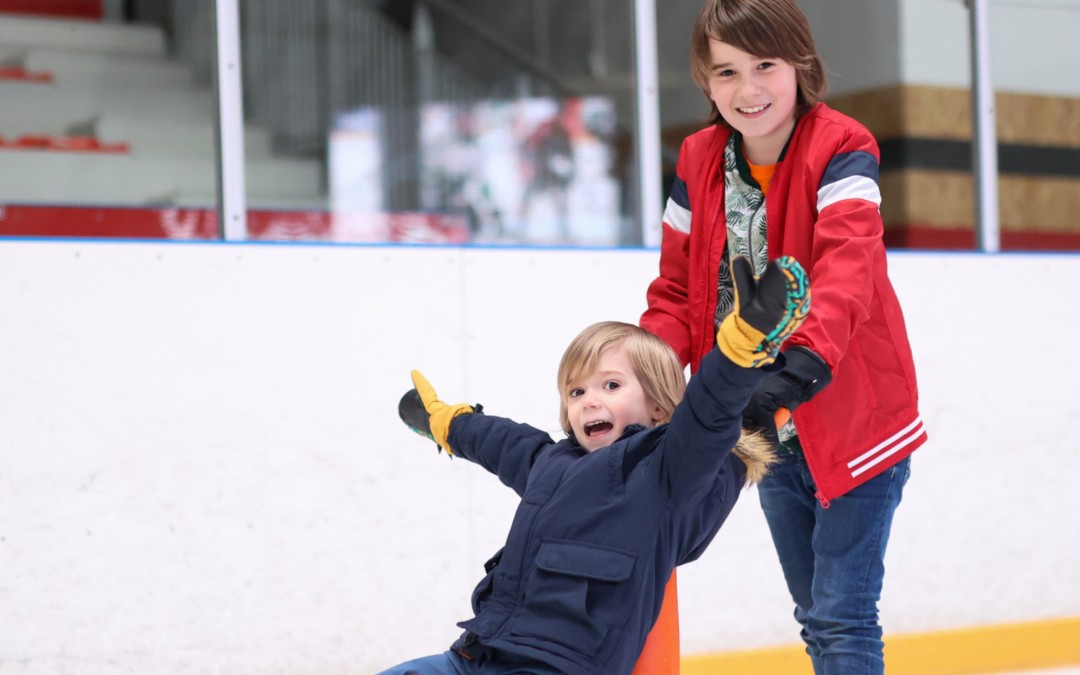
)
(762, 174)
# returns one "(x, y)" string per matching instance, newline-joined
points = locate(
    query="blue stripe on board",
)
(679, 194)
(327, 244)
(848, 164)
(487, 247)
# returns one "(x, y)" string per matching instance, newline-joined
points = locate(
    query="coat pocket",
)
(574, 595)
(483, 590)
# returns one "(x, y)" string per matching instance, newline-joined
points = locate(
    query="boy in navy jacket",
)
(642, 484)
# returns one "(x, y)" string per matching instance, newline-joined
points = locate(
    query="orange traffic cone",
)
(661, 653)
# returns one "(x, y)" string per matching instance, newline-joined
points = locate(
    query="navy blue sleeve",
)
(705, 427)
(704, 522)
(503, 447)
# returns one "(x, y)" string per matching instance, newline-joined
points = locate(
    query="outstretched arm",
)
(707, 424)
(705, 427)
(501, 446)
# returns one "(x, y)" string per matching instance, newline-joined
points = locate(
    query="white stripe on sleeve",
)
(852, 187)
(677, 216)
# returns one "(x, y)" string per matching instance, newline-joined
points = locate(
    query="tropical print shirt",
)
(747, 235)
(745, 211)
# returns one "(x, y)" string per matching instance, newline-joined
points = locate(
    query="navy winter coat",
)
(580, 581)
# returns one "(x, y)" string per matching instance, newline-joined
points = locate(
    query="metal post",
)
(423, 42)
(650, 173)
(984, 129)
(113, 10)
(541, 36)
(229, 126)
(597, 49)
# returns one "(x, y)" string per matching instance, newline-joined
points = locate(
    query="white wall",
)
(202, 470)
(870, 44)
(1033, 45)
(858, 40)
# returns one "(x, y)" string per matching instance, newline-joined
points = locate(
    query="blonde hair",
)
(660, 374)
(767, 29)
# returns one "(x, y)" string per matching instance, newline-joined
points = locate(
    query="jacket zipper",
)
(825, 503)
(770, 240)
(710, 317)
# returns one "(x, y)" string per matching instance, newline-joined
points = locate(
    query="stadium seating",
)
(97, 113)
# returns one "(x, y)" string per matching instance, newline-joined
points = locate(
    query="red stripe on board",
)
(19, 74)
(62, 221)
(50, 143)
(201, 224)
(963, 239)
(80, 9)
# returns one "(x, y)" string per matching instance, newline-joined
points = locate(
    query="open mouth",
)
(598, 427)
(755, 110)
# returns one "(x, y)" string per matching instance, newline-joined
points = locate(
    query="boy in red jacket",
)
(778, 173)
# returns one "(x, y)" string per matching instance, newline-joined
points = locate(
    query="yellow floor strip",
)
(966, 651)
(790, 660)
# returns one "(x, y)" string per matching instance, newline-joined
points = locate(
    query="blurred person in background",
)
(551, 166)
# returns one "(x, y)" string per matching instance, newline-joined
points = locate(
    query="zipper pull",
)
(825, 503)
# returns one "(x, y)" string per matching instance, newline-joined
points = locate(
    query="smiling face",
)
(601, 404)
(756, 96)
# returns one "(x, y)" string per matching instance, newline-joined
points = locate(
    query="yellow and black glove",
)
(422, 411)
(767, 310)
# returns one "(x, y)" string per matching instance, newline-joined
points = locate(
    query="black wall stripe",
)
(1025, 160)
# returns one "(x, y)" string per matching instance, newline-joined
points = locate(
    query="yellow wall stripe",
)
(965, 651)
(917, 111)
(927, 197)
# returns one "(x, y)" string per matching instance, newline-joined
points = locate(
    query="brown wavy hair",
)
(660, 373)
(766, 29)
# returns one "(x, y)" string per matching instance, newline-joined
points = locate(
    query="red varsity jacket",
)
(822, 208)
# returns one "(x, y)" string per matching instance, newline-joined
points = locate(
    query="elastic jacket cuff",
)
(807, 372)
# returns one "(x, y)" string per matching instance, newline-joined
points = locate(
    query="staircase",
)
(115, 84)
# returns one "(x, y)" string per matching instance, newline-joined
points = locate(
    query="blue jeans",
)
(833, 561)
(452, 663)
(440, 664)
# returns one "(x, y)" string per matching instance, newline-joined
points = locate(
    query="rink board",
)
(203, 471)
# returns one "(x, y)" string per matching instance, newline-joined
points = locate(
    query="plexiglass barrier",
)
(99, 117)
(483, 122)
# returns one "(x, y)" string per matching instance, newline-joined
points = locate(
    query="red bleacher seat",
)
(63, 144)
(79, 9)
